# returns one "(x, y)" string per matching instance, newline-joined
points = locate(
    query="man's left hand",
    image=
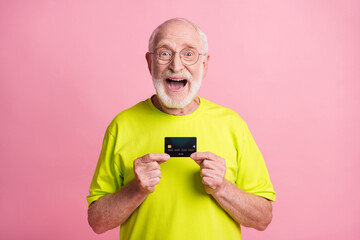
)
(212, 170)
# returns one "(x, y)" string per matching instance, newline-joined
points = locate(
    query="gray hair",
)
(201, 34)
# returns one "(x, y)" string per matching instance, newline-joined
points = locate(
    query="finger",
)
(208, 164)
(142, 168)
(150, 189)
(154, 174)
(205, 173)
(214, 174)
(155, 157)
(197, 156)
(152, 166)
(199, 162)
(208, 181)
(154, 181)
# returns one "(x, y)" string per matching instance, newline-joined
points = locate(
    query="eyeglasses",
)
(188, 56)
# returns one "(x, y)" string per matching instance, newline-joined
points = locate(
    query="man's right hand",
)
(147, 170)
(114, 209)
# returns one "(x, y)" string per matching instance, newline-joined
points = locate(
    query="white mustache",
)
(173, 102)
(168, 74)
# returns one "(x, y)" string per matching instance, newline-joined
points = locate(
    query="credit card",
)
(180, 146)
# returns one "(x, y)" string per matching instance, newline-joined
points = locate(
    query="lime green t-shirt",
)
(179, 208)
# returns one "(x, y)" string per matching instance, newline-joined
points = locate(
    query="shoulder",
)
(129, 116)
(131, 112)
(226, 114)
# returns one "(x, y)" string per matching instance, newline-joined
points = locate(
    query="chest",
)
(150, 138)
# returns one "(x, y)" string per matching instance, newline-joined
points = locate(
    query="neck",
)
(191, 107)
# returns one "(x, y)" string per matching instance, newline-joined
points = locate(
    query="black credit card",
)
(180, 146)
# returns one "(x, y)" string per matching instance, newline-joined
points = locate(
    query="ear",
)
(148, 60)
(205, 64)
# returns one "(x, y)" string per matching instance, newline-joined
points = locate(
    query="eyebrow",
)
(162, 43)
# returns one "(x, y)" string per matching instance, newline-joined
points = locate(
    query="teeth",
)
(177, 80)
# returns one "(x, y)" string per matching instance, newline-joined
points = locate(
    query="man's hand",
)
(147, 170)
(245, 208)
(212, 170)
(113, 209)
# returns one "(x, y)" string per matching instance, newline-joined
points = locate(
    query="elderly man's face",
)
(176, 83)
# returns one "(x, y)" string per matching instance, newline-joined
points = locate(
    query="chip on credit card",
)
(180, 146)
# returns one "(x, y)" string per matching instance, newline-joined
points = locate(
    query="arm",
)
(113, 209)
(246, 209)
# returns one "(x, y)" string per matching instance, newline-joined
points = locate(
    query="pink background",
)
(289, 68)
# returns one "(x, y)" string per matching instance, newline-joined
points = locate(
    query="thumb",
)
(196, 159)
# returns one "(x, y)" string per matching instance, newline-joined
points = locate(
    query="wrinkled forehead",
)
(177, 35)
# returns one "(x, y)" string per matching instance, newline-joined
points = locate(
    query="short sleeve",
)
(252, 175)
(108, 176)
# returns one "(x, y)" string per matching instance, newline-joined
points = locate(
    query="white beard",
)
(175, 102)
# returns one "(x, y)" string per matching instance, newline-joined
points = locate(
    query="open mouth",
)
(176, 84)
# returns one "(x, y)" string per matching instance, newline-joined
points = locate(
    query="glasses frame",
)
(173, 55)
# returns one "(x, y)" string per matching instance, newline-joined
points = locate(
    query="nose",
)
(176, 64)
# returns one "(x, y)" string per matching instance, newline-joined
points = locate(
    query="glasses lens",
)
(164, 55)
(189, 56)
